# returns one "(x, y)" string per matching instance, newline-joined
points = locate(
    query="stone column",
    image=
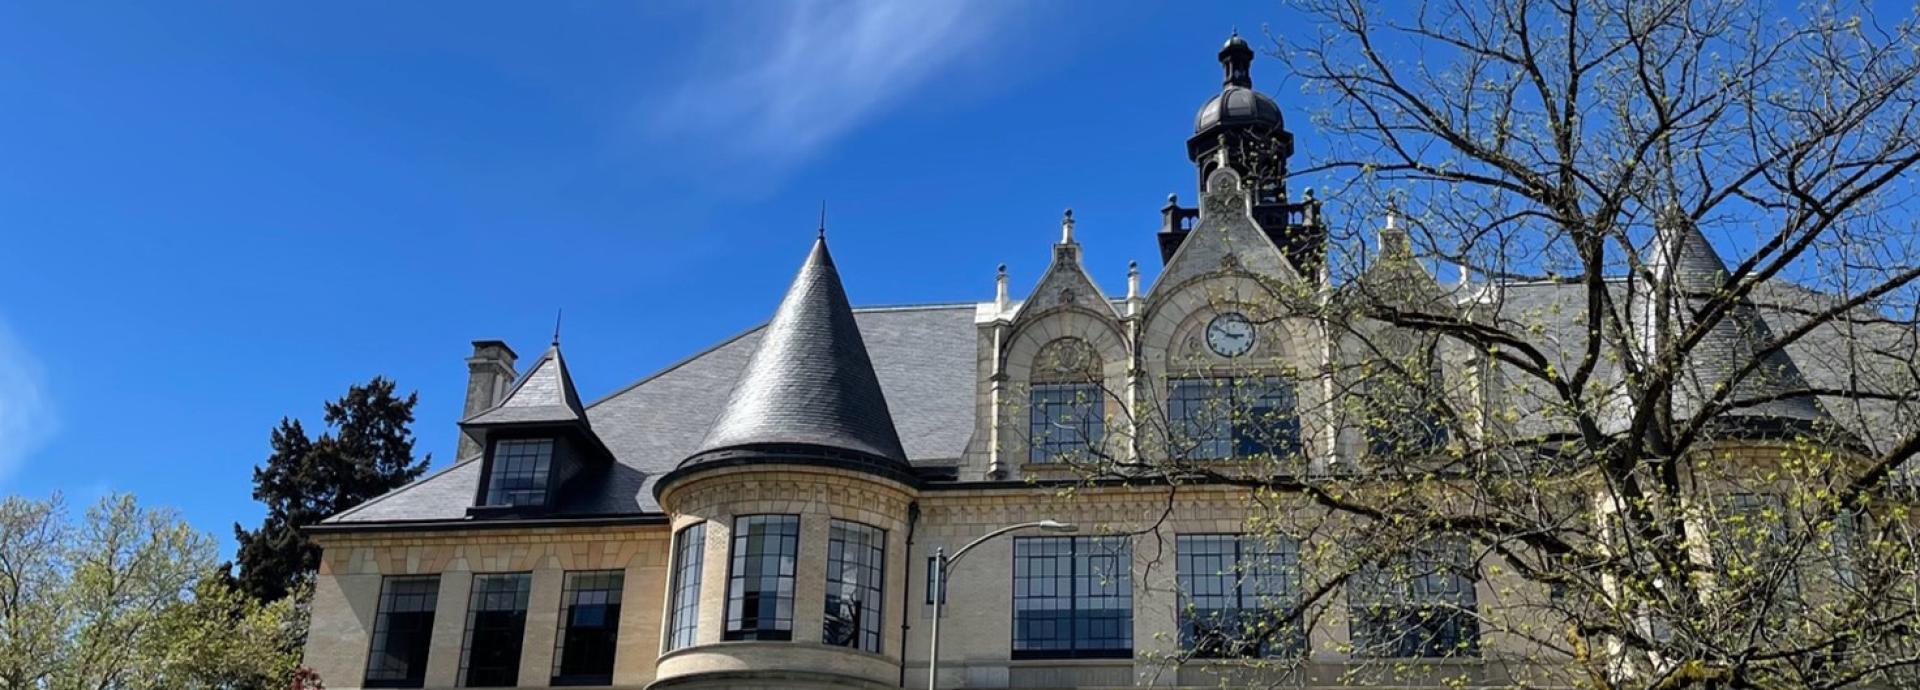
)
(543, 624)
(449, 629)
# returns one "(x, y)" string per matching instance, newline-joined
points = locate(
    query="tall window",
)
(856, 555)
(1072, 597)
(1234, 590)
(689, 561)
(1065, 410)
(496, 622)
(933, 566)
(518, 476)
(1403, 408)
(1065, 422)
(589, 628)
(1752, 548)
(1216, 418)
(402, 632)
(1419, 604)
(760, 586)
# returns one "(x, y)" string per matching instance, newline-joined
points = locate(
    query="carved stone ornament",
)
(1223, 194)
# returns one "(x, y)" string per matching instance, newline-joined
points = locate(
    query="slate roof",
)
(1688, 262)
(923, 356)
(810, 381)
(544, 394)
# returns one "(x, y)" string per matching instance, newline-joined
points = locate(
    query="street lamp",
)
(942, 562)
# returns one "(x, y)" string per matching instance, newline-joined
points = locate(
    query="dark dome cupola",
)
(1241, 129)
(1237, 105)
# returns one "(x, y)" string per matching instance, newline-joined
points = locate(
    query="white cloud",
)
(823, 68)
(26, 410)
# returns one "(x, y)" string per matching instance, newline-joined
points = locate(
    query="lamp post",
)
(941, 562)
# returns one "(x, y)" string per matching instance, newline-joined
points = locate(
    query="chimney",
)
(489, 375)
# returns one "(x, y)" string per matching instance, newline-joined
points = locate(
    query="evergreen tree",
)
(366, 451)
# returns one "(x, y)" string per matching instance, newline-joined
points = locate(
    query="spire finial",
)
(1000, 299)
(823, 219)
(1066, 227)
(557, 312)
(1237, 60)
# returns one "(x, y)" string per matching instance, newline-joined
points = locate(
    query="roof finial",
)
(1133, 280)
(1000, 300)
(1236, 59)
(557, 312)
(823, 219)
(1066, 227)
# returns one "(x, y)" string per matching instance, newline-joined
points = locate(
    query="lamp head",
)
(1058, 526)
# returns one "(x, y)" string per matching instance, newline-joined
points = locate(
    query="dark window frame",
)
(484, 598)
(784, 582)
(865, 630)
(683, 602)
(1425, 605)
(1081, 621)
(932, 565)
(540, 472)
(1271, 400)
(1254, 564)
(422, 627)
(604, 637)
(1063, 417)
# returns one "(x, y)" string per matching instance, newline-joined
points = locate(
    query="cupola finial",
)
(1236, 59)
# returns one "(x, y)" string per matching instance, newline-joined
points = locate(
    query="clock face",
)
(1230, 335)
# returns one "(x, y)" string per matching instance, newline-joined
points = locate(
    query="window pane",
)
(496, 623)
(1215, 418)
(1066, 421)
(1072, 597)
(402, 631)
(760, 586)
(855, 557)
(931, 565)
(1420, 604)
(689, 564)
(589, 627)
(518, 476)
(1234, 589)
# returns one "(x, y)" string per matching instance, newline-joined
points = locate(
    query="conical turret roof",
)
(1685, 261)
(544, 395)
(809, 389)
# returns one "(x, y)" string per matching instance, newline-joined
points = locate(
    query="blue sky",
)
(214, 216)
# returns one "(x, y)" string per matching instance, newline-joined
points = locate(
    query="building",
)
(765, 513)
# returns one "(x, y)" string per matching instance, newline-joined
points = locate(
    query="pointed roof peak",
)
(544, 395)
(809, 386)
(1684, 260)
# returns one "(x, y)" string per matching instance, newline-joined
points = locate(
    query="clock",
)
(1230, 335)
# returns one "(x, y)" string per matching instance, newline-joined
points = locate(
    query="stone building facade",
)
(764, 514)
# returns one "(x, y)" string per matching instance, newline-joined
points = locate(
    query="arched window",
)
(1065, 403)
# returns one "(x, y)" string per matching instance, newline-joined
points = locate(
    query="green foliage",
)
(367, 451)
(128, 598)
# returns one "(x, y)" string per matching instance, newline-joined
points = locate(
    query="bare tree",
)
(1652, 435)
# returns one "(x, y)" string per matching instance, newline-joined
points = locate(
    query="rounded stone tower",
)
(790, 520)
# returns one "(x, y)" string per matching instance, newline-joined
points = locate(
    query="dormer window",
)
(519, 472)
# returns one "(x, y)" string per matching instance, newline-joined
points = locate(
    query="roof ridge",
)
(689, 359)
